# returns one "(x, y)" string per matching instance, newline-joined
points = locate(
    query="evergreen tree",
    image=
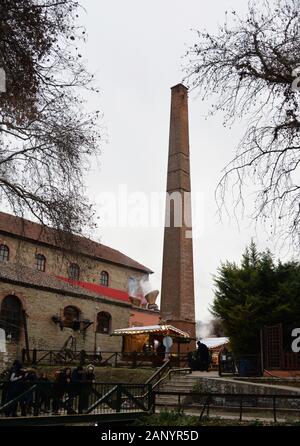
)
(259, 292)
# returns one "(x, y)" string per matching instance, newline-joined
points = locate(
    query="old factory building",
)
(50, 293)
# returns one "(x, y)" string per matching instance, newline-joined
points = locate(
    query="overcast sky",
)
(135, 49)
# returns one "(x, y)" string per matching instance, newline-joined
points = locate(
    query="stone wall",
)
(43, 333)
(23, 252)
(256, 390)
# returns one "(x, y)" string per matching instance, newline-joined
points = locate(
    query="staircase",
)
(179, 383)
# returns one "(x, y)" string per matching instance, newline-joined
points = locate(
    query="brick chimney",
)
(177, 290)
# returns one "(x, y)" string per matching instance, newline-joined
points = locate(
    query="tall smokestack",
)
(177, 290)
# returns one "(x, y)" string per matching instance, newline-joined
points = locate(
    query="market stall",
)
(215, 346)
(155, 343)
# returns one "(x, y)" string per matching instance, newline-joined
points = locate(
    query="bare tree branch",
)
(46, 136)
(248, 68)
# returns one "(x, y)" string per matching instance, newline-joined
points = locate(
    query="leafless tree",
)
(251, 69)
(46, 134)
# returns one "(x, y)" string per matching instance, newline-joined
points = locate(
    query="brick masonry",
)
(177, 294)
(42, 303)
(40, 306)
(23, 252)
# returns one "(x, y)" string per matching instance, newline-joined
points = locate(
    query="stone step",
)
(172, 384)
(187, 379)
(177, 387)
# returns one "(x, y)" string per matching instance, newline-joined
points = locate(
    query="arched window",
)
(40, 262)
(74, 271)
(4, 253)
(104, 276)
(103, 322)
(11, 317)
(71, 317)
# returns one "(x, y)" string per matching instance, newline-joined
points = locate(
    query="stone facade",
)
(44, 295)
(44, 334)
(23, 252)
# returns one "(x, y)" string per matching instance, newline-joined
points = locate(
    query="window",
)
(71, 317)
(104, 278)
(4, 253)
(74, 271)
(103, 322)
(40, 262)
(11, 317)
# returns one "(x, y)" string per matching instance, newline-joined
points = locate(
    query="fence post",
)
(274, 409)
(119, 398)
(241, 407)
(34, 355)
(262, 366)
(151, 398)
(207, 409)
(134, 359)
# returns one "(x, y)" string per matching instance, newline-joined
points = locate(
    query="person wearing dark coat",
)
(203, 356)
(29, 378)
(68, 388)
(77, 386)
(87, 386)
(14, 388)
(58, 391)
(44, 392)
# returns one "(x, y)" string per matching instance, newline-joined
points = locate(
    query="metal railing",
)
(115, 358)
(32, 400)
(246, 365)
(207, 401)
(168, 375)
(51, 399)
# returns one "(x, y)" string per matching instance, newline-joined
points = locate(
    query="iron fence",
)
(246, 365)
(289, 404)
(114, 358)
(33, 399)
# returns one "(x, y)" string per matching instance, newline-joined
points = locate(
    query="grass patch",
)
(178, 418)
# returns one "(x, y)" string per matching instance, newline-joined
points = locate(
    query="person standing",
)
(77, 385)
(203, 356)
(87, 386)
(15, 388)
(58, 391)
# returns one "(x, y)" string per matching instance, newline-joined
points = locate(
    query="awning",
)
(165, 330)
(215, 342)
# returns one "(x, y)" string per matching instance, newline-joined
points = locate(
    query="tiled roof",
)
(20, 227)
(24, 276)
(166, 330)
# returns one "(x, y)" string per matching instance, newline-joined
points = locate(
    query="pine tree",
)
(259, 292)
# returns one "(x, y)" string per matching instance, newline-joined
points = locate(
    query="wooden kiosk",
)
(147, 343)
